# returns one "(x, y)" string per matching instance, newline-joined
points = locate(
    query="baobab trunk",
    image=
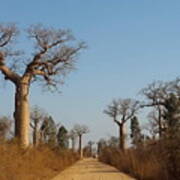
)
(121, 137)
(22, 113)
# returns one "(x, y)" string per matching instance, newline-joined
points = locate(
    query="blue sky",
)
(130, 44)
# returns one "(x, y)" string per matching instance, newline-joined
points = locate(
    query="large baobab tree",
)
(80, 130)
(121, 111)
(53, 57)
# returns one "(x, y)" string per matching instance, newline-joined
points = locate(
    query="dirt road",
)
(91, 169)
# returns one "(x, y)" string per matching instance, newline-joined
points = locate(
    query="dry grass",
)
(34, 163)
(141, 164)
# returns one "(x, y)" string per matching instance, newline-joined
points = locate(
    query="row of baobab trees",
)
(53, 56)
(45, 131)
(163, 98)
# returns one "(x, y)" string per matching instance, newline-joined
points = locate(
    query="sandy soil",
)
(91, 169)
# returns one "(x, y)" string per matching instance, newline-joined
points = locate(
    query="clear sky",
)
(130, 44)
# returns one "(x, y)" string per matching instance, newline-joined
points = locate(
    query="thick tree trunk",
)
(121, 137)
(21, 113)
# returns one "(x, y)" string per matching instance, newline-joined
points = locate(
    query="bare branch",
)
(122, 110)
(8, 74)
(56, 56)
(7, 32)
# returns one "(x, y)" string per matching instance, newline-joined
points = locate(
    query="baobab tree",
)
(54, 56)
(121, 111)
(80, 130)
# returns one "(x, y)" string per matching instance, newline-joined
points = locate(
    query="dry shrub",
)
(38, 163)
(141, 164)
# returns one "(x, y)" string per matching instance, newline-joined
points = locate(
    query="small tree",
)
(62, 138)
(136, 135)
(48, 131)
(5, 127)
(37, 117)
(54, 56)
(121, 111)
(172, 135)
(90, 145)
(80, 130)
(156, 93)
(101, 145)
(172, 115)
(113, 142)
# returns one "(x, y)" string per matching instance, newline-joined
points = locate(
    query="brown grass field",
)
(38, 163)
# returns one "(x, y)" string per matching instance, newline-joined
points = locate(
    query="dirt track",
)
(91, 169)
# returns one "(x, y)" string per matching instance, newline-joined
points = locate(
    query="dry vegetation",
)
(153, 162)
(155, 149)
(135, 163)
(38, 163)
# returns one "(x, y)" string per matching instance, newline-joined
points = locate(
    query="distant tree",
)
(121, 111)
(53, 57)
(37, 117)
(156, 93)
(101, 145)
(90, 145)
(80, 130)
(48, 131)
(72, 136)
(136, 135)
(172, 135)
(5, 127)
(113, 142)
(172, 115)
(62, 137)
(167, 96)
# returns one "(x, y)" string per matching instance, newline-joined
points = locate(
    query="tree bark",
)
(21, 113)
(121, 137)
